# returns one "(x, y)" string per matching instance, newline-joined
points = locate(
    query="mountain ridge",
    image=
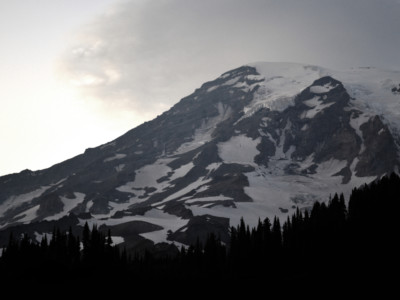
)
(258, 141)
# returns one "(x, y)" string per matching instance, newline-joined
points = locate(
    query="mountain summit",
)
(259, 141)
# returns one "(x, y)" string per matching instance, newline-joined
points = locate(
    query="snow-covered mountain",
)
(258, 141)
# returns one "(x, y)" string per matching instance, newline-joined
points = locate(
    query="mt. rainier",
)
(260, 140)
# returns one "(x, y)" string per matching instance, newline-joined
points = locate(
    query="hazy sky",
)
(76, 74)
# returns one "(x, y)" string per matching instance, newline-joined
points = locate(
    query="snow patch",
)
(316, 107)
(127, 187)
(356, 122)
(69, 204)
(190, 187)
(148, 175)
(213, 88)
(116, 240)
(209, 199)
(40, 236)
(154, 216)
(16, 201)
(212, 167)
(331, 167)
(89, 205)
(28, 215)
(239, 149)
(116, 156)
(168, 222)
(245, 87)
(120, 167)
(181, 171)
(232, 81)
(322, 89)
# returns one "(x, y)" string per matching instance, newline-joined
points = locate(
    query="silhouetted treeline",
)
(331, 242)
(64, 256)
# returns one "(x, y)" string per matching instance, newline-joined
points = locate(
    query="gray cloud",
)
(144, 56)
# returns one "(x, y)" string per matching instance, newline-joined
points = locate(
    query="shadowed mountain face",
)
(258, 141)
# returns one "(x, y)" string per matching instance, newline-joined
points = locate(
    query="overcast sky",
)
(75, 74)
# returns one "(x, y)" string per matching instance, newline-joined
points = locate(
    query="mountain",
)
(259, 141)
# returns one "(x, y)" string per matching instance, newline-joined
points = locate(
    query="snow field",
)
(316, 107)
(116, 156)
(153, 216)
(239, 149)
(69, 204)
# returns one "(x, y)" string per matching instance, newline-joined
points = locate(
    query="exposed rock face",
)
(258, 141)
(380, 151)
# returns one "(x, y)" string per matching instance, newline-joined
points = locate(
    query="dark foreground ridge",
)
(331, 244)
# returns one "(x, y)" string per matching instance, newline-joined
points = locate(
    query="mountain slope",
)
(258, 141)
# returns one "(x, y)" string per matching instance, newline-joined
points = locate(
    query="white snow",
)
(127, 188)
(213, 88)
(18, 200)
(165, 220)
(69, 204)
(192, 186)
(312, 102)
(117, 240)
(116, 156)
(232, 81)
(28, 215)
(272, 190)
(89, 205)
(39, 236)
(147, 176)
(370, 87)
(120, 167)
(213, 166)
(244, 86)
(331, 167)
(153, 216)
(208, 199)
(239, 149)
(283, 81)
(181, 171)
(322, 89)
(305, 127)
(316, 107)
(225, 75)
(356, 122)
